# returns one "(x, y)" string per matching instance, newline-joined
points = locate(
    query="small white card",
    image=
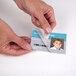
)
(55, 43)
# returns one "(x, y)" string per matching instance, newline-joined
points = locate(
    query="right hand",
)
(12, 44)
(42, 14)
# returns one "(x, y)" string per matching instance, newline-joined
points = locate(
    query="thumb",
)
(22, 43)
(44, 23)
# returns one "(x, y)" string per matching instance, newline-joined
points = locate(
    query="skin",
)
(42, 16)
(57, 44)
(12, 44)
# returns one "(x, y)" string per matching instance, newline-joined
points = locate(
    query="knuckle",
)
(33, 22)
(55, 23)
(44, 22)
(51, 8)
(20, 7)
(22, 42)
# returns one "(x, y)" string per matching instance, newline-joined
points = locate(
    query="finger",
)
(44, 23)
(15, 52)
(35, 22)
(52, 22)
(51, 19)
(26, 39)
(22, 43)
(13, 45)
(7, 49)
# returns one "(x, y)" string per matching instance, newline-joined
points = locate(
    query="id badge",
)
(53, 43)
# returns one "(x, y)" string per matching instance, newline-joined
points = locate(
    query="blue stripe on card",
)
(54, 35)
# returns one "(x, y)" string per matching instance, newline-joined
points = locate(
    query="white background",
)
(38, 63)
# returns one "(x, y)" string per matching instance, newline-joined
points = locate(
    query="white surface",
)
(39, 63)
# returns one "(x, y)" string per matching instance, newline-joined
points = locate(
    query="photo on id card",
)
(55, 43)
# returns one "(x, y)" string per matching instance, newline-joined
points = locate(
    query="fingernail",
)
(48, 30)
(28, 47)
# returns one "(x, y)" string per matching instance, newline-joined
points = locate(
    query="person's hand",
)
(42, 14)
(10, 43)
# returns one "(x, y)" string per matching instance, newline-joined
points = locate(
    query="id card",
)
(55, 43)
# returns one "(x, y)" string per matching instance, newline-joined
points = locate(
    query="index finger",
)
(51, 19)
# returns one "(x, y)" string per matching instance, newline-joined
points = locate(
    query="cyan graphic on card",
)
(55, 43)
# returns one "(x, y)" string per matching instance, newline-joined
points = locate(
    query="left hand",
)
(12, 44)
